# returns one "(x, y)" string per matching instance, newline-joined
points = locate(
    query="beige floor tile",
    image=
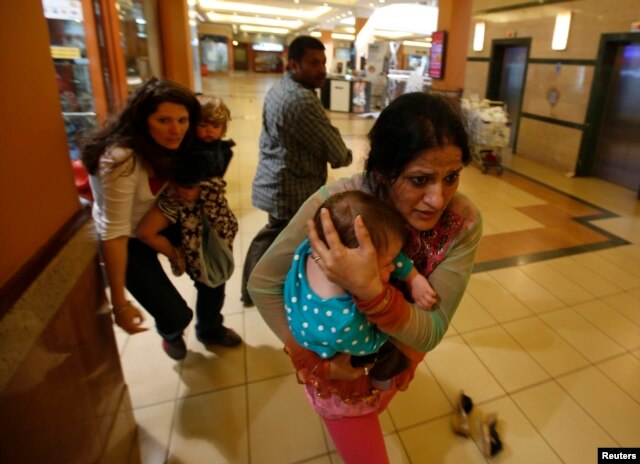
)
(591, 342)
(326, 459)
(265, 355)
(627, 228)
(565, 289)
(544, 345)
(627, 257)
(435, 442)
(509, 363)
(154, 431)
(495, 299)
(610, 271)
(395, 451)
(527, 290)
(624, 371)
(522, 444)
(612, 323)
(606, 403)
(422, 401)
(470, 315)
(212, 368)
(282, 426)
(594, 282)
(625, 303)
(211, 428)
(564, 425)
(505, 220)
(472, 375)
(152, 376)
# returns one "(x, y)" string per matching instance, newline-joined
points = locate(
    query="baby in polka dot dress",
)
(323, 316)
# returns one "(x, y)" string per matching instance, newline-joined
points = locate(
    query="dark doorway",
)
(507, 72)
(611, 145)
(618, 153)
(241, 57)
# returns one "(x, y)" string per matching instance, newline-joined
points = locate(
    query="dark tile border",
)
(610, 241)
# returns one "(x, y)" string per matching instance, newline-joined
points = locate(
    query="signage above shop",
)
(62, 9)
(65, 53)
(267, 47)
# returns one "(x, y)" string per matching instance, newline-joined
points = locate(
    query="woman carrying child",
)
(419, 146)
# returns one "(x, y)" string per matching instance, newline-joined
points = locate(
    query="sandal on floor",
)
(460, 420)
(490, 440)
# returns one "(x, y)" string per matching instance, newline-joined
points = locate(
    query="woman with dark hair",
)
(130, 162)
(419, 146)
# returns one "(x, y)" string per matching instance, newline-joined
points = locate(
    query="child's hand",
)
(187, 194)
(421, 291)
(129, 318)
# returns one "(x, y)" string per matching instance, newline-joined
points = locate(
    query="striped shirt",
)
(296, 143)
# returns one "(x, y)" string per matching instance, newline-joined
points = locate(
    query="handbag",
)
(215, 255)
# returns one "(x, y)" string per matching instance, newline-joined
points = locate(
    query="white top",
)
(122, 193)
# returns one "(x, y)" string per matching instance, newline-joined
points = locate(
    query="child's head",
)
(385, 224)
(214, 118)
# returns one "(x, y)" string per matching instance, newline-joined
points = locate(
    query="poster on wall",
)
(437, 54)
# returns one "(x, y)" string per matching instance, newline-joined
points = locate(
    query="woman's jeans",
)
(150, 285)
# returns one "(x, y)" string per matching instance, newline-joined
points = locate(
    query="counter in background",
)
(347, 95)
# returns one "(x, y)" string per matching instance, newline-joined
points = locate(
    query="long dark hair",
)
(412, 123)
(130, 128)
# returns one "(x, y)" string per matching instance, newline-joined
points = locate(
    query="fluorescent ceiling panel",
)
(298, 12)
(238, 19)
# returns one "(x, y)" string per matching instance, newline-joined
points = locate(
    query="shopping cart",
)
(490, 129)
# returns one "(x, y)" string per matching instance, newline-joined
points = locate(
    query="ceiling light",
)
(561, 31)
(270, 30)
(413, 43)
(219, 18)
(316, 34)
(391, 34)
(338, 36)
(310, 13)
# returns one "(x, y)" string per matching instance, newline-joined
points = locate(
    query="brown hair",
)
(380, 218)
(130, 128)
(213, 110)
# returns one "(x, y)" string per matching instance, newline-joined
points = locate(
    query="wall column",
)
(176, 41)
(454, 16)
(327, 41)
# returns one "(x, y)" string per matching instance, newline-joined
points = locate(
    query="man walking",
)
(296, 143)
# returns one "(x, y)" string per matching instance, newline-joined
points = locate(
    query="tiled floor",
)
(550, 342)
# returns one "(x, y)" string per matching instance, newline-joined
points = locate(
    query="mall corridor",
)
(547, 336)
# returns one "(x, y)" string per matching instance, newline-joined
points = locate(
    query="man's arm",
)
(321, 138)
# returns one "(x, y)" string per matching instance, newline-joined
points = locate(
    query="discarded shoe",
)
(176, 349)
(490, 440)
(460, 420)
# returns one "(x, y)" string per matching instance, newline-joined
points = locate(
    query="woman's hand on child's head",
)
(341, 368)
(354, 269)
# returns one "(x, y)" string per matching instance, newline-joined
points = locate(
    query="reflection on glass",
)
(133, 36)
(69, 54)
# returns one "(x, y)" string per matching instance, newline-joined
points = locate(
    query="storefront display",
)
(69, 54)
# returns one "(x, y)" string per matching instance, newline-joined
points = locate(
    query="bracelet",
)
(126, 305)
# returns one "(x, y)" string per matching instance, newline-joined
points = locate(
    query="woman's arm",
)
(353, 269)
(148, 231)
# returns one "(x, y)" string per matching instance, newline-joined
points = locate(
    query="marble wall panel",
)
(475, 82)
(573, 86)
(549, 144)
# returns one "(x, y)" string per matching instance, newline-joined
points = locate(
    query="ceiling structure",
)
(387, 19)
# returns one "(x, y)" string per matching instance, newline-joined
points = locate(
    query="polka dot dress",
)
(326, 326)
